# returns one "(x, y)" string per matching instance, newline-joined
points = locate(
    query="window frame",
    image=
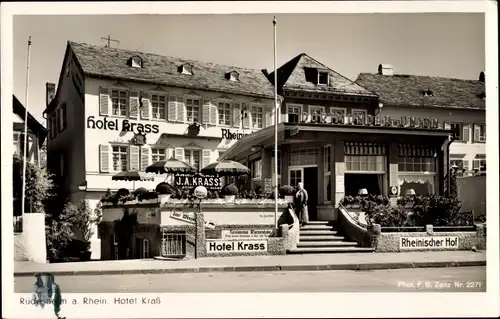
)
(299, 115)
(481, 161)
(254, 170)
(479, 125)
(127, 150)
(191, 151)
(320, 72)
(192, 106)
(127, 101)
(254, 117)
(460, 130)
(365, 114)
(231, 110)
(153, 149)
(311, 112)
(367, 171)
(165, 105)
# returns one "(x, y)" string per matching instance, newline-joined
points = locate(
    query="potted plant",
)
(287, 192)
(165, 191)
(82, 219)
(230, 191)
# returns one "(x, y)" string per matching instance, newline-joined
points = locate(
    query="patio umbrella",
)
(170, 166)
(226, 168)
(132, 175)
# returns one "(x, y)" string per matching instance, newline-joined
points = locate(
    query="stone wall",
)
(390, 242)
(20, 253)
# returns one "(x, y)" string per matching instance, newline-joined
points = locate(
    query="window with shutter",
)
(466, 133)
(479, 133)
(192, 110)
(457, 131)
(145, 162)
(206, 157)
(205, 119)
(179, 153)
(134, 152)
(172, 108)
(213, 114)
(181, 109)
(145, 105)
(134, 104)
(119, 102)
(104, 101)
(237, 115)
(158, 106)
(104, 151)
(246, 116)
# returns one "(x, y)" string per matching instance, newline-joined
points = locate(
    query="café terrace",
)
(339, 155)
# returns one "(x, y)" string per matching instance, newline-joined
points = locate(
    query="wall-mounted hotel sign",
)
(123, 125)
(190, 181)
(229, 135)
(370, 120)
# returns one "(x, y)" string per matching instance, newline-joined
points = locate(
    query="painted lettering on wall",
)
(126, 125)
(228, 135)
(428, 243)
(220, 246)
(190, 181)
(189, 218)
(245, 233)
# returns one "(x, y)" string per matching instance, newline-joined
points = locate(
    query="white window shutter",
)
(246, 116)
(213, 114)
(206, 157)
(146, 105)
(145, 157)
(179, 154)
(133, 104)
(447, 126)
(181, 109)
(104, 154)
(237, 115)
(477, 132)
(104, 101)
(172, 108)
(466, 132)
(205, 118)
(133, 152)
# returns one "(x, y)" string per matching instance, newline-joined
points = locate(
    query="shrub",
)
(122, 192)
(286, 190)
(165, 189)
(58, 236)
(140, 191)
(230, 189)
(148, 195)
(82, 219)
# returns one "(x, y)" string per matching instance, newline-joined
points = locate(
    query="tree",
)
(39, 185)
(82, 218)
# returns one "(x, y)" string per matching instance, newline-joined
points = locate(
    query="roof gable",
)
(35, 126)
(107, 62)
(413, 91)
(300, 73)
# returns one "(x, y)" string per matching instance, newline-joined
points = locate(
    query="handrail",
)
(352, 229)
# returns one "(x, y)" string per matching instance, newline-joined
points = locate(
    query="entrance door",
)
(311, 186)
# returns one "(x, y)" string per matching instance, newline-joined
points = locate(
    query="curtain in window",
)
(380, 178)
(422, 182)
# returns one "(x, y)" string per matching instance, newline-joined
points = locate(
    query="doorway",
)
(311, 186)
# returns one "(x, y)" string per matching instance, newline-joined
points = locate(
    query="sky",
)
(433, 44)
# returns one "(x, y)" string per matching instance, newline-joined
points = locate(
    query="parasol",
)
(226, 168)
(132, 175)
(170, 166)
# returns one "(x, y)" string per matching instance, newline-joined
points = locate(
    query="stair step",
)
(321, 238)
(316, 227)
(318, 250)
(312, 232)
(327, 244)
(318, 222)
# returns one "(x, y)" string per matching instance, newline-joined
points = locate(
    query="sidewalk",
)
(344, 261)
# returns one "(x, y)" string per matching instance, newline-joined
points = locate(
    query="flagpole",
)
(25, 146)
(276, 114)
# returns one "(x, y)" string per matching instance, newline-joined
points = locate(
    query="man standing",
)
(301, 204)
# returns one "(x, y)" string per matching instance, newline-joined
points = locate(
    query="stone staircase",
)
(322, 237)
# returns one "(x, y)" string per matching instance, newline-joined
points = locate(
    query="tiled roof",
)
(107, 62)
(35, 126)
(407, 90)
(300, 74)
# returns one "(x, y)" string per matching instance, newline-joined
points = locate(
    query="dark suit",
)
(301, 198)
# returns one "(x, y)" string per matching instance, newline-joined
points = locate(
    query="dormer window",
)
(186, 69)
(135, 62)
(482, 95)
(322, 77)
(233, 76)
(427, 93)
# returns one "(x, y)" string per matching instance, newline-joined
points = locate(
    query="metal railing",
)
(173, 244)
(18, 224)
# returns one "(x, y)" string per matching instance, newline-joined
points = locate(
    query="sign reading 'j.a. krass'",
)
(428, 243)
(235, 246)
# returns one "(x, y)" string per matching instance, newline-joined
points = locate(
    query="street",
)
(452, 279)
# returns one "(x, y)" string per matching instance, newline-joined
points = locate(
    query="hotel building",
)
(460, 104)
(335, 139)
(116, 110)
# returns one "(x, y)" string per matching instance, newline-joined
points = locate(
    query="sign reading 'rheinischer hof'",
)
(428, 243)
(241, 246)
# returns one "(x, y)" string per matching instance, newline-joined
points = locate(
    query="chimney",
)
(481, 77)
(385, 69)
(265, 72)
(50, 92)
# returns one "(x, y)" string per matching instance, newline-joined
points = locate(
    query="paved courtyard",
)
(449, 279)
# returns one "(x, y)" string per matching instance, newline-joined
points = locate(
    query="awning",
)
(480, 156)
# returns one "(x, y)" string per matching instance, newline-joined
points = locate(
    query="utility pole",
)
(276, 114)
(109, 40)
